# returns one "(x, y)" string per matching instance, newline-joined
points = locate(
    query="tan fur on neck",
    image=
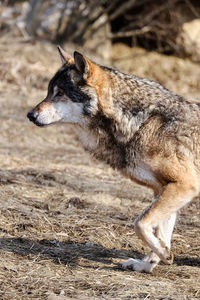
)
(100, 81)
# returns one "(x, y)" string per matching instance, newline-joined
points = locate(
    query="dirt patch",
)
(66, 220)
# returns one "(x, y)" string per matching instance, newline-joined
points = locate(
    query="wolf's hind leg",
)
(165, 230)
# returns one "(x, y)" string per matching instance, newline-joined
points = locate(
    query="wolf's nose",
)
(32, 116)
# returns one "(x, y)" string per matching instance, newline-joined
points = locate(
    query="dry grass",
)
(66, 221)
(179, 75)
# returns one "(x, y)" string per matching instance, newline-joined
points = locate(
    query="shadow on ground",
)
(64, 252)
(69, 252)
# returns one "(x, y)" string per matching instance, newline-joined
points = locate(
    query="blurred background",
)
(145, 37)
(166, 26)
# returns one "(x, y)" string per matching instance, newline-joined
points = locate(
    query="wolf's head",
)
(77, 90)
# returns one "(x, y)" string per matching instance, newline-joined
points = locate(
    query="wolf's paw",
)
(138, 265)
(169, 260)
(168, 256)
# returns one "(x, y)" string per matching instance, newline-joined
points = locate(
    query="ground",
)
(66, 220)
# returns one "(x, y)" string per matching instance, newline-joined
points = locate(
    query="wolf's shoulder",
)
(138, 83)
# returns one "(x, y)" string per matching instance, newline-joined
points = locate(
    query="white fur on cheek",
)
(70, 112)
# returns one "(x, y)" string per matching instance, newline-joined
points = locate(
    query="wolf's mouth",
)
(39, 124)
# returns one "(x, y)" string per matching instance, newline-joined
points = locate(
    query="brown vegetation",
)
(153, 25)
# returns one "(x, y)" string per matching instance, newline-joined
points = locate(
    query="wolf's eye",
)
(59, 93)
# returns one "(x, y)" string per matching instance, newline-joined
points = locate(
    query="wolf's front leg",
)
(147, 264)
(174, 196)
(151, 260)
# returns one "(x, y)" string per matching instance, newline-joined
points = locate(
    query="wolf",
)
(138, 127)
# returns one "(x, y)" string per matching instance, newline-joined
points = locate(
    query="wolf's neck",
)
(127, 115)
(100, 138)
(131, 101)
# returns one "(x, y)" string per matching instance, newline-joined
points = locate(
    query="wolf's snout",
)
(32, 116)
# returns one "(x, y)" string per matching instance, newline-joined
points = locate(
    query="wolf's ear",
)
(97, 78)
(65, 57)
(82, 64)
